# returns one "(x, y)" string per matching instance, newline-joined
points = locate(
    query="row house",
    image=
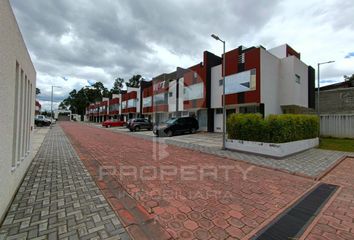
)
(257, 80)
(262, 81)
(130, 107)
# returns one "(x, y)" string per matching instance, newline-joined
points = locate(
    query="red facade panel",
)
(147, 92)
(160, 108)
(147, 109)
(197, 74)
(129, 110)
(291, 52)
(252, 61)
(129, 95)
(113, 101)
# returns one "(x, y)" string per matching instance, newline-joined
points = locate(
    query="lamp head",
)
(215, 37)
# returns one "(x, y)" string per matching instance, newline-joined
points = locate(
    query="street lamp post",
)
(223, 92)
(51, 104)
(318, 85)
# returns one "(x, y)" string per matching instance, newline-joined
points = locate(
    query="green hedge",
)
(273, 129)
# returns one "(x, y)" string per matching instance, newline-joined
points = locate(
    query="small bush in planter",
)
(273, 129)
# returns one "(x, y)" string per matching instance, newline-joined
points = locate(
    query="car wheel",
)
(169, 133)
(137, 128)
(193, 130)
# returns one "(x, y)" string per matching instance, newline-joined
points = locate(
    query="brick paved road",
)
(337, 221)
(208, 207)
(59, 200)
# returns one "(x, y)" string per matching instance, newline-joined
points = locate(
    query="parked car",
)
(175, 126)
(137, 124)
(41, 120)
(113, 123)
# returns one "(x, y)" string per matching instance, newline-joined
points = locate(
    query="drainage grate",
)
(293, 222)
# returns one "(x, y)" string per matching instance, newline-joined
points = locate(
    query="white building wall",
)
(138, 100)
(270, 78)
(172, 100)
(216, 96)
(291, 92)
(181, 94)
(17, 97)
(279, 52)
(216, 88)
(218, 122)
(120, 104)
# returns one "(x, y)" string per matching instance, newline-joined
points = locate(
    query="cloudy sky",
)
(76, 42)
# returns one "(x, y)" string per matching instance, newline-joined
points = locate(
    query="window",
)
(147, 102)
(124, 105)
(221, 82)
(297, 79)
(249, 109)
(131, 103)
(218, 111)
(195, 91)
(160, 99)
(241, 82)
(170, 94)
(195, 75)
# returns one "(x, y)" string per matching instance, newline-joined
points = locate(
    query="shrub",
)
(273, 129)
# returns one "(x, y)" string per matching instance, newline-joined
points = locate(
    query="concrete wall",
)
(181, 94)
(138, 100)
(172, 100)
(17, 97)
(270, 83)
(279, 52)
(291, 92)
(337, 100)
(216, 89)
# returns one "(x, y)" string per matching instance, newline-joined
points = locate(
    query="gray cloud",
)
(118, 35)
(99, 40)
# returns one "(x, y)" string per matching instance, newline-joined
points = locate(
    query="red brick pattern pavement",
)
(208, 208)
(337, 221)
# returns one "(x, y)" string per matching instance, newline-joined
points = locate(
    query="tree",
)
(349, 78)
(101, 89)
(38, 91)
(134, 81)
(77, 101)
(117, 87)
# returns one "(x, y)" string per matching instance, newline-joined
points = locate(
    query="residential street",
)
(187, 209)
(136, 120)
(159, 191)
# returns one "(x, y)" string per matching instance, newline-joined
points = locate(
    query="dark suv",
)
(177, 126)
(137, 124)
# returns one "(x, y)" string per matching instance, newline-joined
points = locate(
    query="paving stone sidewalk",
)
(58, 199)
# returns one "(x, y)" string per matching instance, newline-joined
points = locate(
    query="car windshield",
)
(170, 121)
